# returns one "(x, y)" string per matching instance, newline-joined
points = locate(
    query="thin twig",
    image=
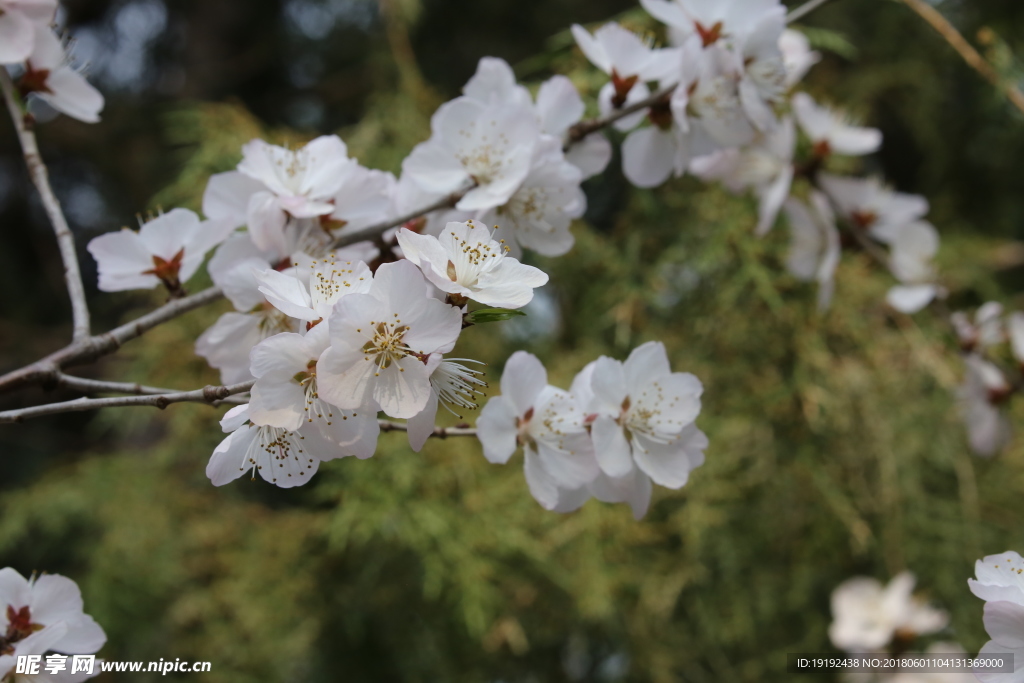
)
(41, 179)
(967, 51)
(95, 386)
(439, 432)
(585, 128)
(211, 394)
(46, 370)
(803, 10)
(377, 229)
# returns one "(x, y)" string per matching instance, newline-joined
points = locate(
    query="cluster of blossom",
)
(621, 426)
(501, 151)
(28, 42)
(730, 117)
(44, 614)
(869, 618)
(365, 342)
(497, 155)
(331, 337)
(1000, 584)
(988, 341)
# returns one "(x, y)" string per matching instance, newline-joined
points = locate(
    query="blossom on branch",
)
(912, 251)
(167, 249)
(41, 614)
(50, 77)
(830, 132)
(814, 249)
(466, 262)
(381, 341)
(867, 205)
(546, 422)
(19, 20)
(282, 457)
(488, 146)
(630, 61)
(980, 398)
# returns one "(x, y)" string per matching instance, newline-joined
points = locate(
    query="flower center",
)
(709, 36)
(387, 344)
(19, 627)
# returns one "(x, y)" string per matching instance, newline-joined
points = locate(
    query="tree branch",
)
(47, 370)
(585, 128)
(213, 395)
(966, 50)
(804, 10)
(41, 179)
(439, 432)
(95, 386)
(374, 231)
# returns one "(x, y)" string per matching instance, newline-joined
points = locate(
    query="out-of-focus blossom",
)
(866, 615)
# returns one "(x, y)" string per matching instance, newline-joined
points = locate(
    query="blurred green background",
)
(836, 448)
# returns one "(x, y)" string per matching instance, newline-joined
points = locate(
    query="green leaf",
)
(491, 315)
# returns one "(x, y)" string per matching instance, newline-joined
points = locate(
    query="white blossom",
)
(546, 422)
(912, 251)
(641, 414)
(797, 55)
(538, 214)
(715, 20)
(487, 145)
(559, 107)
(984, 390)
(299, 200)
(312, 301)
(494, 82)
(41, 614)
(867, 616)
(630, 61)
(466, 262)
(999, 578)
(1004, 623)
(286, 395)
(19, 20)
(763, 75)
(814, 249)
(870, 206)
(830, 131)
(169, 249)
(226, 344)
(50, 77)
(653, 153)
(381, 341)
(985, 330)
(1015, 332)
(282, 457)
(765, 166)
